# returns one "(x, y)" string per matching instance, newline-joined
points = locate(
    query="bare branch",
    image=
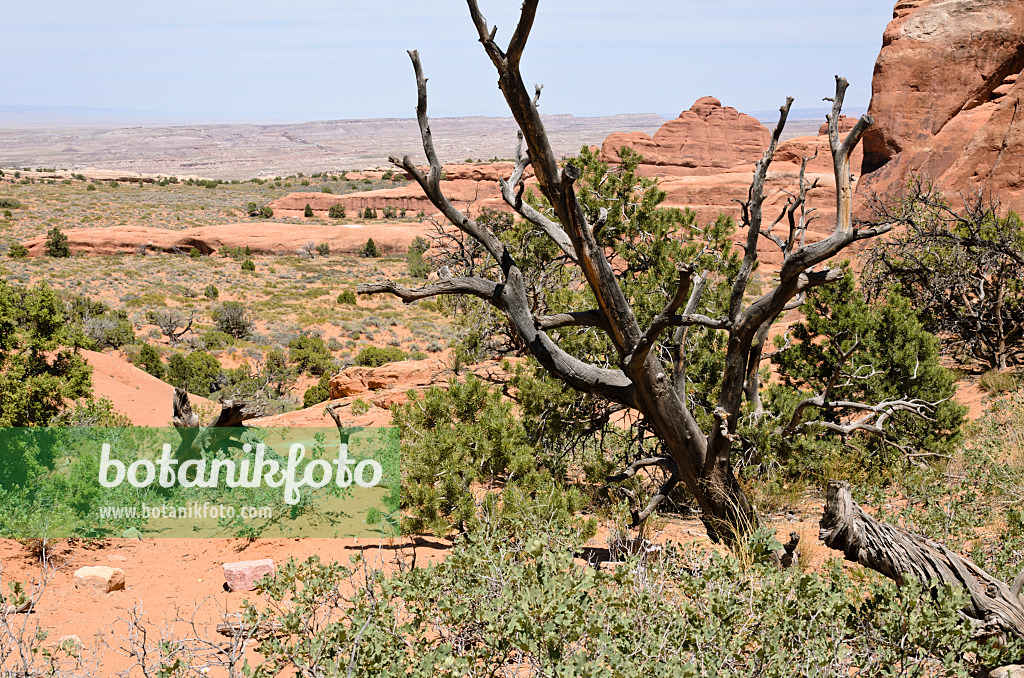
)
(638, 517)
(488, 290)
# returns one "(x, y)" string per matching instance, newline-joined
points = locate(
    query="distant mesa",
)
(706, 139)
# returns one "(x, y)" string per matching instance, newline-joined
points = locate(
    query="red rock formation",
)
(706, 139)
(945, 98)
(261, 238)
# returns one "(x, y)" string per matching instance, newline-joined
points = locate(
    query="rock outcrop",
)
(945, 99)
(260, 238)
(706, 139)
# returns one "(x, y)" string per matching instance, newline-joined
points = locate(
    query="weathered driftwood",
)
(903, 556)
(196, 438)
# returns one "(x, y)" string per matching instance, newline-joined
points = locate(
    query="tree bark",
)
(903, 556)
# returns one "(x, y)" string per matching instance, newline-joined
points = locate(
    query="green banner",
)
(212, 482)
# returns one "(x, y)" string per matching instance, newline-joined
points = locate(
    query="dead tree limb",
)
(903, 556)
(196, 438)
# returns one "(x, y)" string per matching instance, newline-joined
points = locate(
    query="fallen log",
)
(996, 607)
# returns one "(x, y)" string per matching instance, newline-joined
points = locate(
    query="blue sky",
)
(322, 59)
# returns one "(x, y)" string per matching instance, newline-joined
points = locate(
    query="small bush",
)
(249, 265)
(318, 392)
(310, 354)
(10, 203)
(17, 251)
(347, 297)
(90, 187)
(326, 189)
(390, 212)
(419, 267)
(194, 253)
(308, 212)
(197, 372)
(211, 291)
(215, 340)
(8, 214)
(336, 211)
(369, 213)
(232, 319)
(370, 250)
(149, 360)
(360, 407)
(323, 249)
(995, 381)
(56, 244)
(373, 356)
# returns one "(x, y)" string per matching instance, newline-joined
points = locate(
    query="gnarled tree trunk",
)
(902, 556)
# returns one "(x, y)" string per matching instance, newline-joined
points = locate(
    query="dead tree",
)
(196, 438)
(642, 381)
(995, 608)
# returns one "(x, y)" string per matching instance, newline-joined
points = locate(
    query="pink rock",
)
(242, 576)
(101, 578)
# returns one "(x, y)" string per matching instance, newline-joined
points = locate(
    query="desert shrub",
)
(211, 292)
(110, 330)
(326, 189)
(148, 358)
(310, 354)
(8, 214)
(308, 212)
(197, 372)
(359, 407)
(336, 211)
(17, 251)
(249, 265)
(390, 212)
(323, 249)
(215, 340)
(232, 318)
(90, 187)
(347, 297)
(374, 356)
(56, 244)
(194, 253)
(318, 392)
(464, 436)
(995, 381)
(10, 203)
(39, 371)
(370, 249)
(369, 213)
(510, 600)
(419, 267)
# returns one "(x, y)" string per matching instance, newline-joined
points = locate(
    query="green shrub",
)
(310, 354)
(211, 291)
(369, 213)
(90, 187)
(249, 265)
(370, 249)
(995, 381)
(318, 392)
(336, 211)
(56, 244)
(390, 212)
(232, 318)
(194, 253)
(360, 407)
(308, 212)
(347, 297)
(374, 356)
(197, 372)
(419, 267)
(8, 214)
(17, 251)
(323, 249)
(149, 360)
(326, 189)
(214, 340)
(10, 203)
